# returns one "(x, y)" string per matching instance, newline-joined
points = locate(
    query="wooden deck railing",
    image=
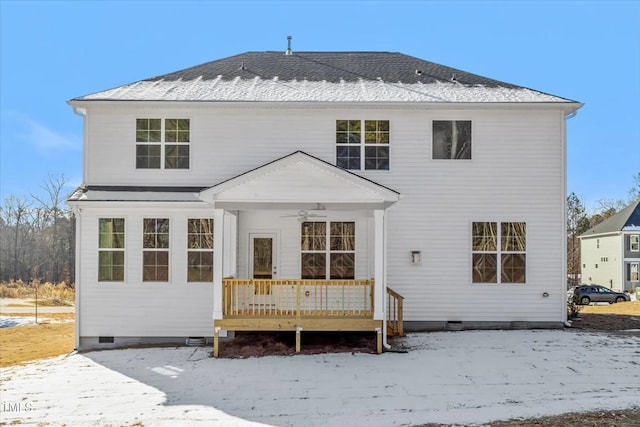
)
(395, 325)
(297, 298)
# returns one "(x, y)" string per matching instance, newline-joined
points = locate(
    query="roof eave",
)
(566, 106)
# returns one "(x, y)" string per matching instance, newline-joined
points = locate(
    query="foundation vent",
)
(454, 325)
(195, 342)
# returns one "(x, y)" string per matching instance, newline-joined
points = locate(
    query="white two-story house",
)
(306, 191)
(610, 251)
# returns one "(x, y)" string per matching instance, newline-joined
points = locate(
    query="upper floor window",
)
(499, 252)
(362, 144)
(451, 139)
(162, 143)
(111, 250)
(155, 255)
(634, 243)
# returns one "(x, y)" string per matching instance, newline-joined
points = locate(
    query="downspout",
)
(385, 306)
(82, 112)
(78, 214)
(565, 320)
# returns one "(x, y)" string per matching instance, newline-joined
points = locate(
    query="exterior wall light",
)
(416, 257)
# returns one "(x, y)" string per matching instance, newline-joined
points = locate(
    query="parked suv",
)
(587, 294)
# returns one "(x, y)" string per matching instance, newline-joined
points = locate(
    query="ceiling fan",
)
(303, 216)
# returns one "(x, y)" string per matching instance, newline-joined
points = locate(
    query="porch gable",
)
(301, 181)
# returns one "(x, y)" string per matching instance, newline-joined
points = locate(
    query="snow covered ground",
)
(463, 377)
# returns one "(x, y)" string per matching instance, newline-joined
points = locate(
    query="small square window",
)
(451, 139)
(157, 140)
(361, 146)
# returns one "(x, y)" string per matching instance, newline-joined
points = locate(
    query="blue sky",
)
(52, 51)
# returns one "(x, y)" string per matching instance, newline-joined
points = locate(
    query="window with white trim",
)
(362, 144)
(162, 144)
(633, 272)
(200, 250)
(499, 252)
(111, 249)
(332, 241)
(451, 139)
(155, 254)
(634, 243)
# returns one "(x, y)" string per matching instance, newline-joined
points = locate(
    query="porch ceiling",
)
(299, 181)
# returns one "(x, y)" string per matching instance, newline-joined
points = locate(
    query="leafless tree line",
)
(37, 235)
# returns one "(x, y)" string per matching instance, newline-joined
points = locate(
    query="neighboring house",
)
(610, 251)
(309, 191)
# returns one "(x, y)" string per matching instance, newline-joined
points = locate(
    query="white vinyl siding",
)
(607, 273)
(133, 307)
(516, 174)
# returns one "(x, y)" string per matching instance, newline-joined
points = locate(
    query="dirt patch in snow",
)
(622, 418)
(597, 318)
(609, 317)
(258, 344)
(606, 322)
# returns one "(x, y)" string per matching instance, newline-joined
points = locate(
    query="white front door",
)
(263, 255)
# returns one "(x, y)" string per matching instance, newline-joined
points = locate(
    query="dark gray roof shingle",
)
(627, 218)
(331, 67)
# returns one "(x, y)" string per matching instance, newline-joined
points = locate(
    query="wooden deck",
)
(298, 305)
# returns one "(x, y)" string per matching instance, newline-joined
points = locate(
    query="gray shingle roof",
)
(331, 67)
(627, 219)
(326, 77)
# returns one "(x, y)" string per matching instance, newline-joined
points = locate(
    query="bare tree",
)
(37, 236)
(577, 223)
(14, 214)
(54, 212)
(634, 191)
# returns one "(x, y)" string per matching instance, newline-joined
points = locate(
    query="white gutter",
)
(77, 212)
(385, 305)
(82, 112)
(571, 115)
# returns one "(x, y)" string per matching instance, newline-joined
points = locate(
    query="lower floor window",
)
(111, 266)
(156, 266)
(200, 250)
(499, 252)
(633, 272)
(155, 256)
(111, 249)
(328, 250)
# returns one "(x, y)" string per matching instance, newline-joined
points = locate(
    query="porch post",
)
(378, 262)
(218, 259)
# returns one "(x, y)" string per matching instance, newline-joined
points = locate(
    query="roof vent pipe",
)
(288, 52)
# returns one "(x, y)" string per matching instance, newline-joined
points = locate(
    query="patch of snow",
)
(321, 91)
(468, 377)
(11, 321)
